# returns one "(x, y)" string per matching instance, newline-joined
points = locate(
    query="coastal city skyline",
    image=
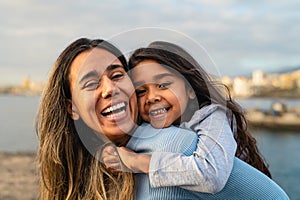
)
(258, 84)
(240, 37)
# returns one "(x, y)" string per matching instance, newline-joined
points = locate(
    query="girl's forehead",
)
(151, 72)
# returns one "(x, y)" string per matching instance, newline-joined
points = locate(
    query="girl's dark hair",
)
(208, 91)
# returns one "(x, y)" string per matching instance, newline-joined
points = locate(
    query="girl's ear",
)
(191, 93)
(72, 110)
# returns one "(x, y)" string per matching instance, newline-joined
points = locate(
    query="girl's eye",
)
(164, 85)
(140, 92)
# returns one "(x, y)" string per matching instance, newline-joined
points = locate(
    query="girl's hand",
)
(112, 160)
(137, 163)
(124, 159)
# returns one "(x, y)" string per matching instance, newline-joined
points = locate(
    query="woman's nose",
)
(108, 88)
(153, 96)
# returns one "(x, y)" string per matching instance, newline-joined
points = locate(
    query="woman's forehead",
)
(96, 60)
(97, 57)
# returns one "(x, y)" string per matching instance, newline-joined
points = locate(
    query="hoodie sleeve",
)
(208, 169)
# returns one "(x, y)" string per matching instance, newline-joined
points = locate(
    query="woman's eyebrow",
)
(93, 74)
(113, 66)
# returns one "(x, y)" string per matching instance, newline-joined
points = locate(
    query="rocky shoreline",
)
(19, 176)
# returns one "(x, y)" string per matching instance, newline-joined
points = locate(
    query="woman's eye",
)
(91, 85)
(117, 76)
(164, 85)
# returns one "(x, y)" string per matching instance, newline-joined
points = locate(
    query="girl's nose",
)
(153, 96)
(108, 88)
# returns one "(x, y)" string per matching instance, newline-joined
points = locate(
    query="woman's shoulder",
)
(174, 139)
(147, 132)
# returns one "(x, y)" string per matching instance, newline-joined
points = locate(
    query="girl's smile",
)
(162, 93)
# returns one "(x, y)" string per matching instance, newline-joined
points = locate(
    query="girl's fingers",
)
(109, 150)
(114, 167)
(111, 159)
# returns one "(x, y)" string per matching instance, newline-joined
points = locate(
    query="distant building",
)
(29, 87)
(26, 83)
(296, 77)
(298, 83)
(242, 87)
(286, 82)
(258, 78)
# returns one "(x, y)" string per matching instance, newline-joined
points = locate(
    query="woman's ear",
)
(72, 110)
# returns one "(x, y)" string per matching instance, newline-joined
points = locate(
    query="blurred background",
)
(253, 45)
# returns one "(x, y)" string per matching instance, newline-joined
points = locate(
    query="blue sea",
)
(280, 148)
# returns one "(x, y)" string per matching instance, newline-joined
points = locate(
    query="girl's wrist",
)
(141, 163)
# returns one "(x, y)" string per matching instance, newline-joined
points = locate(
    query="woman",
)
(67, 166)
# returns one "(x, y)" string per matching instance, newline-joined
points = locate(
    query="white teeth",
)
(115, 115)
(114, 108)
(158, 111)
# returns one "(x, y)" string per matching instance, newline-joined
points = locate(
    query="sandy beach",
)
(19, 179)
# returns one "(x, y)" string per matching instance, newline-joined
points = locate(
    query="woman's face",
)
(162, 94)
(102, 93)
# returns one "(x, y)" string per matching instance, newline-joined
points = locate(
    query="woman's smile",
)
(115, 112)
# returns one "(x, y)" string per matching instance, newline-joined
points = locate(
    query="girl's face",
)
(162, 94)
(102, 93)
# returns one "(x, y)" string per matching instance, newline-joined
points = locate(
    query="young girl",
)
(171, 86)
(244, 182)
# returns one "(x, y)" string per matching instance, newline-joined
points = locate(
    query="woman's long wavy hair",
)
(67, 169)
(208, 91)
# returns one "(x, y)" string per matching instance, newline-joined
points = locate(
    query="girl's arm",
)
(210, 166)
(244, 182)
(207, 170)
(124, 159)
(146, 140)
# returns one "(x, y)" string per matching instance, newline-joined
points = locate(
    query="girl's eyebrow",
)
(93, 74)
(160, 76)
(155, 78)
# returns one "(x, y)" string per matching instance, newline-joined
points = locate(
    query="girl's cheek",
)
(141, 102)
(141, 108)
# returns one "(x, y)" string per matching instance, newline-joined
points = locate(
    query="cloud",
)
(236, 34)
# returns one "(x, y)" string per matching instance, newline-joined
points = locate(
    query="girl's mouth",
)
(158, 111)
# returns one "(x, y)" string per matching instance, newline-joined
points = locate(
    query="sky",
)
(238, 36)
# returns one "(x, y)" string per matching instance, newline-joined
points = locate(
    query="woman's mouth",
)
(115, 111)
